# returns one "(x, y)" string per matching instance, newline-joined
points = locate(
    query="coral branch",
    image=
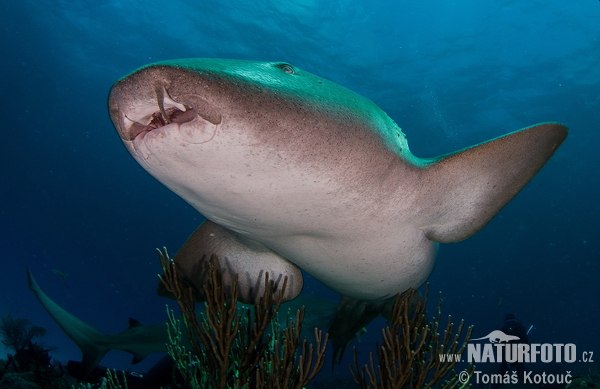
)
(410, 349)
(229, 350)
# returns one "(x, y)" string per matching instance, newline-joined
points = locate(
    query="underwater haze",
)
(86, 218)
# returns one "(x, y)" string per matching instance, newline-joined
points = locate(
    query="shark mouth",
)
(158, 119)
(166, 112)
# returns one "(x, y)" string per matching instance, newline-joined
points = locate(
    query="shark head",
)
(296, 172)
(193, 99)
(240, 121)
(219, 133)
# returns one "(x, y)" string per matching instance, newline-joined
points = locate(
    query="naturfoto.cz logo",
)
(506, 349)
(499, 350)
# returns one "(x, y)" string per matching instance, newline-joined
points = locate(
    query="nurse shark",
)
(293, 172)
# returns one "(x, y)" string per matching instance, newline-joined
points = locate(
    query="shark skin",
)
(295, 172)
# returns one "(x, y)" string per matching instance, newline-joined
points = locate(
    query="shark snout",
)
(142, 102)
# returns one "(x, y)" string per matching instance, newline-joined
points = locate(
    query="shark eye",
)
(289, 69)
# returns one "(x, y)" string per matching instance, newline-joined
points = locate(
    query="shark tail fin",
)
(473, 184)
(87, 338)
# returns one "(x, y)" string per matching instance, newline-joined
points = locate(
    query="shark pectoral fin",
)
(248, 259)
(87, 338)
(414, 302)
(90, 358)
(469, 187)
(137, 357)
(352, 316)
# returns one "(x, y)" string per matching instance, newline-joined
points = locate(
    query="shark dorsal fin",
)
(134, 323)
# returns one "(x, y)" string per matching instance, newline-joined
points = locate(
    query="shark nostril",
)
(178, 116)
(160, 99)
(201, 107)
(165, 116)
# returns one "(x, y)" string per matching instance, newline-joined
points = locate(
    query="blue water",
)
(450, 73)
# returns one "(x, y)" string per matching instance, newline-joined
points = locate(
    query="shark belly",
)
(365, 266)
(307, 215)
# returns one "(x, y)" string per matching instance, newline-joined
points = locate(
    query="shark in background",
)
(142, 340)
(293, 172)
